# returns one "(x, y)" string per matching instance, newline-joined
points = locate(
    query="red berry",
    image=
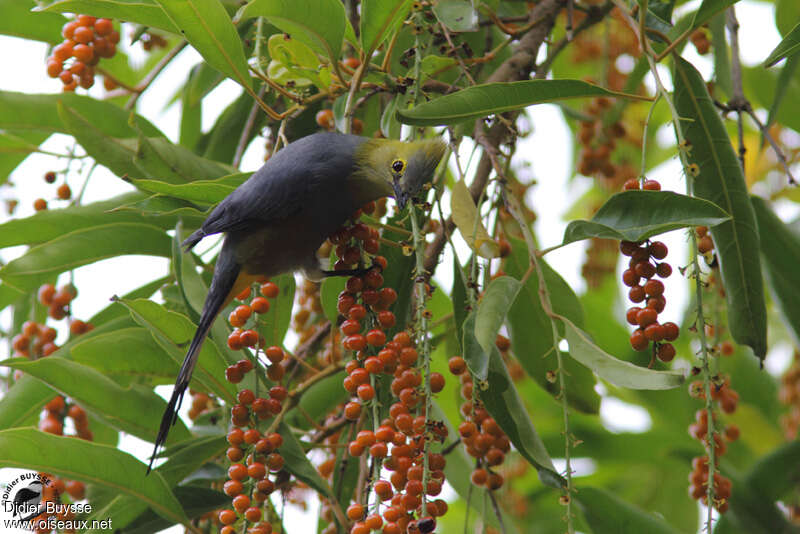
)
(646, 316)
(671, 331)
(651, 185)
(638, 340)
(654, 288)
(666, 352)
(260, 305)
(630, 278)
(376, 338)
(636, 294)
(632, 315)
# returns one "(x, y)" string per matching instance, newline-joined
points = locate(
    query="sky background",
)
(548, 150)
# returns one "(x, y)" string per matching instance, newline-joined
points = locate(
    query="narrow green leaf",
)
(21, 111)
(469, 224)
(195, 501)
(608, 514)
(125, 354)
(173, 332)
(323, 32)
(161, 160)
(532, 333)
(190, 283)
(205, 192)
(780, 250)
(317, 401)
(492, 98)
(782, 85)
(638, 215)
(145, 12)
(17, 20)
(722, 62)
(298, 464)
(482, 326)
(137, 410)
(208, 28)
(274, 324)
(23, 402)
(77, 459)
(82, 247)
(504, 404)
(116, 310)
(707, 9)
(52, 223)
(720, 180)
(10, 157)
(380, 19)
(618, 372)
(789, 46)
(190, 456)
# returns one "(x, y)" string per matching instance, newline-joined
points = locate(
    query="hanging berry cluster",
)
(482, 437)
(726, 398)
(253, 453)
(365, 304)
(63, 192)
(639, 276)
(86, 40)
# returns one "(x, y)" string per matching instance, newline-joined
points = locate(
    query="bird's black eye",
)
(398, 165)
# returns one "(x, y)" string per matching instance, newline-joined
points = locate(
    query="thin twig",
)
(248, 127)
(147, 80)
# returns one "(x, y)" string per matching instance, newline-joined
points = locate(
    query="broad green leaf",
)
(618, 372)
(329, 295)
(457, 15)
(789, 46)
(161, 160)
(482, 326)
(77, 459)
(115, 153)
(17, 20)
(720, 180)
(504, 404)
(173, 331)
(21, 111)
(126, 354)
(208, 28)
(136, 410)
(274, 324)
(319, 24)
(780, 250)
(82, 247)
(707, 9)
(380, 19)
(296, 62)
(608, 514)
(298, 464)
(145, 12)
(23, 402)
(192, 112)
(469, 224)
(317, 401)
(52, 223)
(168, 207)
(15, 147)
(638, 215)
(195, 502)
(532, 333)
(205, 192)
(493, 98)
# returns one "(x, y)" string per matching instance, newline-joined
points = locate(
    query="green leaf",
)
(17, 20)
(780, 250)
(126, 354)
(208, 28)
(15, 147)
(493, 98)
(145, 12)
(173, 331)
(116, 310)
(136, 410)
(722, 62)
(608, 514)
(504, 404)
(323, 31)
(532, 333)
(618, 372)
(158, 158)
(638, 215)
(469, 224)
(205, 192)
(23, 402)
(782, 85)
(380, 19)
(482, 326)
(720, 180)
(457, 15)
(82, 247)
(195, 501)
(789, 46)
(708, 9)
(329, 295)
(52, 223)
(298, 464)
(77, 459)
(20, 111)
(274, 324)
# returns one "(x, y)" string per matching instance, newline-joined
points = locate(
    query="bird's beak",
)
(400, 196)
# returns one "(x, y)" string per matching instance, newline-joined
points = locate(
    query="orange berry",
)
(260, 305)
(83, 35)
(227, 517)
(64, 192)
(253, 514)
(457, 365)
(103, 26)
(270, 290)
(40, 204)
(325, 119)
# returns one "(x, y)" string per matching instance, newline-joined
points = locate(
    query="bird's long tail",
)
(225, 276)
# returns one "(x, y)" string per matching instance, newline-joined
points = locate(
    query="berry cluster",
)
(86, 40)
(645, 288)
(52, 422)
(598, 141)
(62, 193)
(59, 301)
(482, 437)
(325, 120)
(726, 398)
